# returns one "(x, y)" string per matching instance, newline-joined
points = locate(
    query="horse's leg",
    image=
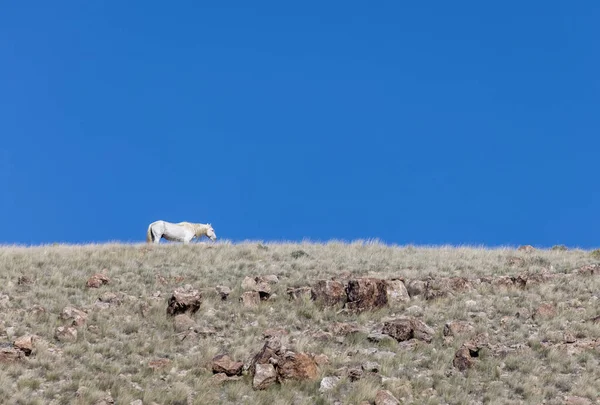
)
(156, 236)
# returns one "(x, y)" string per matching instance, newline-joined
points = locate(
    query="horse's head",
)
(210, 232)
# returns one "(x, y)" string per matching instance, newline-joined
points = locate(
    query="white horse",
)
(180, 232)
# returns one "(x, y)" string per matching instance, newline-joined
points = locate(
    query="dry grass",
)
(115, 345)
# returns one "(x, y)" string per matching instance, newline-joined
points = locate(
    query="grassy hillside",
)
(544, 345)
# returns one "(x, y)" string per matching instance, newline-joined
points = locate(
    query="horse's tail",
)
(149, 234)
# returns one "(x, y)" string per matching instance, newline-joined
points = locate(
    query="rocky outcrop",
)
(184, 300)
(406, 328)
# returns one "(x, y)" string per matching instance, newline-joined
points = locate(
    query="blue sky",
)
(424, 122)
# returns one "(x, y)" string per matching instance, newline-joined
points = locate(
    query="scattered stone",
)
(465, 355)
(328, 292)
(321, 359)
(25, 344)
(76, 316)
(110, 298)
(97, 280)
(589, 270)
(371, 366)
(328, 383)
(296, 293)
(183, 322)
(396, 292)
(354, 373)
(569, 338)
(264, 376)
(223, 291)
(269, 278)
(526, 249)
(250, 299)
(414, 310)
(405, 328)
(385, 397)
(366, 294)
(184, 300)
(10, 354)
(458, 328)
(136, 402)
(224, 364)
(66, 334)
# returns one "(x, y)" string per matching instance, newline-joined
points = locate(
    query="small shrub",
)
(559, 248)
(595, 254)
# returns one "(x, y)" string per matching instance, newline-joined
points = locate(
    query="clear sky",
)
(429, 122)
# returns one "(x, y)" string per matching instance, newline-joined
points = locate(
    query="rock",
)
(264, 376)
(569, 337)
(544, 311)
(25, 344)
(296, 366)
(588, 270)
(250, 299)
(526, 249)
(515, 261)
(328, 383)
(97, 280)
(465, 355)
(329, 292)
(184, 300)
(223, 291)
(396, 292)
(415, 287)
(295, 293)
(76, 316)
(66, 334)
(10, 355)
(366, 294)
(24, 280)
(158, 364)
(224, 364)
(136, 402)
(275, 332)
(377, 337)
(385, 397)
(458, 328)
(405, 328)
(183, 322)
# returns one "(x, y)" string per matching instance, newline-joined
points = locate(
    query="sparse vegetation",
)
(542, 343)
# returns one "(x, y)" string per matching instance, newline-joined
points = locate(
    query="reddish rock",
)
(526, 249)
(296, 366)
(575, 400)
(328, 292)
(74, 315)
(97, 280)
(406, 328)
(385, 397)
(465, 355)
(366, 294)
(257, 284)
(396, 292)
(250, 299)
(272, 349)
(66, 334)
(589, 270)
(457, 328)
(10, 355)
(184, 300)
(264, 376)
(224, 364)
(25, 344)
